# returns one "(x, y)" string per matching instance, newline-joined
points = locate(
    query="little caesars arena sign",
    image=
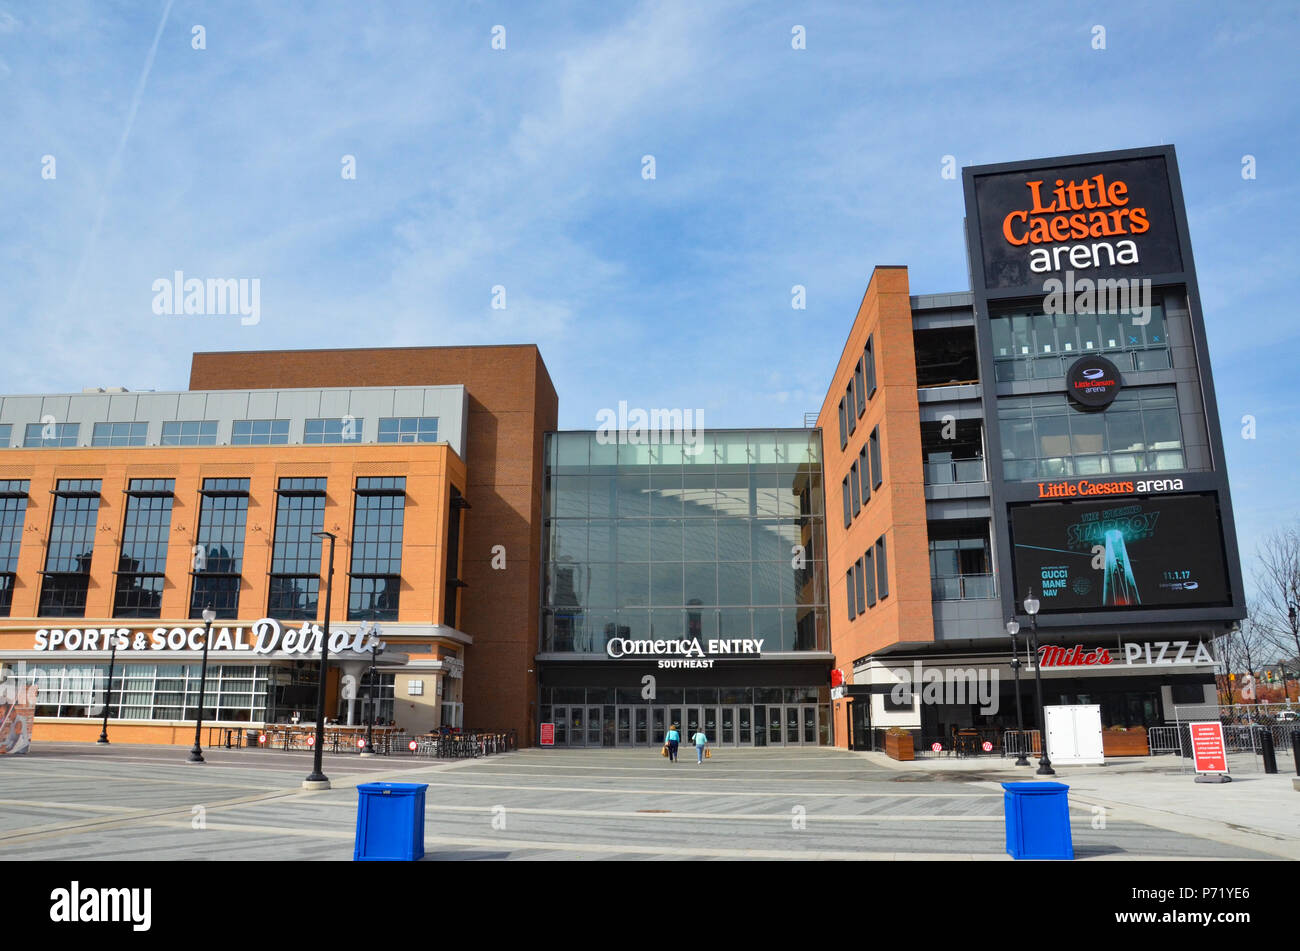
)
(685, 652)
(267, 637)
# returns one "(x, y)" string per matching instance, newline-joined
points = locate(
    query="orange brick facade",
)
(897, 508)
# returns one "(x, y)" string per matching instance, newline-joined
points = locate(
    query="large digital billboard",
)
(1163, 552)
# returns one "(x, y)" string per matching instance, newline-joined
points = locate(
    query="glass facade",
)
(150, 691)
(223, 514)
(375, 578)
(961, 560)
(13, 513)
(1031, 345)
(658, 541)
(1047, 437)
(295, 554)
(72, 541)
(143, 559)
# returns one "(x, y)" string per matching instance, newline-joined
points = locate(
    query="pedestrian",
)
(700, 740)
(671, 741)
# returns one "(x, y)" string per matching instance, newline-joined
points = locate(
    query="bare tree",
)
(1277, 601)
(1242, 652)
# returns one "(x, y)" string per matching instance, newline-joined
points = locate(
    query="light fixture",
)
(209, 615)
(1031, 604)
(1013, 627)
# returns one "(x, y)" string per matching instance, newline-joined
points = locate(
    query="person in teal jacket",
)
(700, 740)
(671, 741)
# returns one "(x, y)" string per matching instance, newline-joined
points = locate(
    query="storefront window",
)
(232, 692)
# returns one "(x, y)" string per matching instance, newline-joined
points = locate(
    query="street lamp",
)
(1013, 628)
(318, 779)
(1031, 608)
(209, 615)
(108, 691)
(373, 630)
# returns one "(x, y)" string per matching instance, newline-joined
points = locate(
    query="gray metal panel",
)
(335, 404)
(123, 408)
(408, 402)
(157, 406)
(262, 404)
(194, 406)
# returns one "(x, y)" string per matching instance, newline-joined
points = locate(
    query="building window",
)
(851, 416)
(333, 431)
(961, 561)
(119, 434)
(848, 505)
(859, 388)
(882, 569)
(51, 435)
(6, 435)
(946, 357)
(1045, 437)
(859, 588)
(953, 451)
(877, 475)
(13, 513)
(223, 513)
(844, 427)
(142, 562)
(260, 432)
(375, 577)
(295, 554)
(71, 543)
(869, 560)
(864, 474)
(854, 481)
(189, 433)
(869, 360)
(232, 693)
(1031, 345)
(454, 582)
(408, 429)
(849, 584)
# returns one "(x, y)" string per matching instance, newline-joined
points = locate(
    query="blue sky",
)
(522, 168)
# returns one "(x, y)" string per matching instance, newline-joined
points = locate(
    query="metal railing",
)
(955, 471)
(1164, 739)
(963, 587)
(1015, 742)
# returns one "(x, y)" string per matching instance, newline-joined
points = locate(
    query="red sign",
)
(988, 747)
(1074, 657)
(311, 741)
(412, 746)
(548, 734)
(1208, 750)
(837, 678)
(936, 747)
(261, 738)
(361, 743)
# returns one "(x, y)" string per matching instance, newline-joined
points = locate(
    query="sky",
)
(500, 157)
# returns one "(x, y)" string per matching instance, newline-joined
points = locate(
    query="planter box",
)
(898, 747)
(1125, 743)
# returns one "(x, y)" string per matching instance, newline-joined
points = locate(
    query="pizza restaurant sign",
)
(266, 636)
(1085, 488)
(1151, 653)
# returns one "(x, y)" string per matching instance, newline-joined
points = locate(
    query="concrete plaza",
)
(82, 801)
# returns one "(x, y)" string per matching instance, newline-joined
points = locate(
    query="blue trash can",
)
(1038, 820)
(390, 822)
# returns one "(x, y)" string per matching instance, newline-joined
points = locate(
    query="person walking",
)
(700, 740)
(671, 741)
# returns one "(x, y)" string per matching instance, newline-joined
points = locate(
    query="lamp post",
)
(318, 779)
(209, 615)
(1031, 608)
(1013, 628)
(108, 691)
(373, 630)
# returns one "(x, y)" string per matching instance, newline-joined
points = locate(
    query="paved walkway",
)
(78, 801)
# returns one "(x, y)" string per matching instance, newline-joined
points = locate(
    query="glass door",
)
(641, 716)
(694, 721)
(810, 726)
(659, 727)
(727, 736)
(711, 723)
(561, 717)
(623, 719)
(760, 725)
(791, 726)
(593, 726)
(774, 723)
(745, 731)
(675, 718)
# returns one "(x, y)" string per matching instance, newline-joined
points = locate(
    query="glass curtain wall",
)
(658, 541)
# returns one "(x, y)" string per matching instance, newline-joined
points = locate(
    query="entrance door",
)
(623, 726)
(744, 725)
(594, 724)
(810, 726)
(560, 715)
(727, 733)
(641, 719)
(760, 726)
(576, 726)
(658, 725)
(711, 723)
(775, 722)
(694, 720)
(791, 726)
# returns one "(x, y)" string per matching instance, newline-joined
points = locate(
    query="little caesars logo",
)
(690, 652)
(77, 904)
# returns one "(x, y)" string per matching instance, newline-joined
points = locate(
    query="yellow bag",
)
(664, 751)
(708, 753)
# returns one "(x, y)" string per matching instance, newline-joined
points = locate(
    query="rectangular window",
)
(876, 463)
(454, 584)
(408, 429)
(859, 590)
(119, 434)
(870, 562)
(375, 577)
(223, 514)
(71, 543)
(331, 432)
(848, 408)
(848, 505)
(849, 587)
(143, 558)
(844, 427)
(189, 433)
(869, 358)
(51, 435)
(859, 388)
(260, 432)
(295, 553)
(6, 435)
(882, 569)
(13, 513)
(854, 482)
(864, 473)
